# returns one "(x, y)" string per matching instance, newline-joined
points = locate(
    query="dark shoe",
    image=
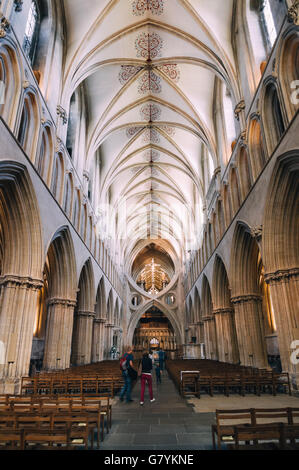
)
(121, 399)
(129, 401)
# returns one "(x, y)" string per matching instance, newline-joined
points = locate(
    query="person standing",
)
(127, 362)
(161, 358)
(146, 377)
(157, 366)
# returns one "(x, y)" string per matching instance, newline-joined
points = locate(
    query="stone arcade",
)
(149, 162)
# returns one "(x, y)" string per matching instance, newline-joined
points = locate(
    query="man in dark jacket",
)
(128, 381)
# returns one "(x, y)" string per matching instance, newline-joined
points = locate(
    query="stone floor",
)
(169, 423)
(174, 423)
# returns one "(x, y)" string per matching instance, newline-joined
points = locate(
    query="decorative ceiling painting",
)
(155, 74)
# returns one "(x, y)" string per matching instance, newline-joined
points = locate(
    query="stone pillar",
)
(98, 340)
(226, 335)
(83, 337)
(109, 339)
(59, 333)
(250, 330)
(284, 291)
(210, 337)
(18, 311)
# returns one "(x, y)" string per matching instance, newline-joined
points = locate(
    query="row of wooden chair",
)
(95, 379)
(63, 421)
(230, 423)
(194, 376)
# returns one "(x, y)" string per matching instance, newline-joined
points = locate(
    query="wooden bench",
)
(224, 431)
(255, 437)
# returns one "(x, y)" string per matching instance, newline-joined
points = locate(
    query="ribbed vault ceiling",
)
(148, 68)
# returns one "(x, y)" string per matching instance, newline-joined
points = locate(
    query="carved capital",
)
(293, 13)
(19, 281)
(58, 144)
(61, 112)
(64, 302)
(223, 311)
(85, 314)
(256, 232)
(243, 137)
(18, 5)
(239, 107)
(240, 299)
(4, 26)
(282, 275)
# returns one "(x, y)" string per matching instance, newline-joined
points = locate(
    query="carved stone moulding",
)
(239, 107)
(19, 281)
(239, 299)
(223, 311)
(63, 302)
(281, 275)
(293, 13)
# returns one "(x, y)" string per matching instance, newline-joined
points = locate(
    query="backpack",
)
(123, 362)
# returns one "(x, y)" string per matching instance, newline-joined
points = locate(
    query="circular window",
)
(170, 299)
(136, 300)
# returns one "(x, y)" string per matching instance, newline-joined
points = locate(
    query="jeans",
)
(127, 386)
(146, 379)
(158, 374)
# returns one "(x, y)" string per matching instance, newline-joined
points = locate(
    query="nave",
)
(81, 409)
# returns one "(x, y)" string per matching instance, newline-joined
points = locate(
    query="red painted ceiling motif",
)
(149, 82)
(131, 131)
(171, 70)
(139, 7)
(148, 45)
(150, 112)
(151, 155)
(168, 129)
(127, 72)
(151, 136)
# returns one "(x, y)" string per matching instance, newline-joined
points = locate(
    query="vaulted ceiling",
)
(148, 68)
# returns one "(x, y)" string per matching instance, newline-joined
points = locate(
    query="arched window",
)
(45, 154)
(23, 124)
(268, 25)
(28, 128)
(229, 119)
(272, 117)
(67, 204)
(32, 31)
(83, 222)
(72, 124)
(56, 186)
(76, 210)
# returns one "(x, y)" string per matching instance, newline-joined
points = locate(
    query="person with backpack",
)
(146, 366)
(161, 358)
(126, 362)
(156, 360)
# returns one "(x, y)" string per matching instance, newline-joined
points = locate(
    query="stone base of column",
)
(10, 386)
(192, 351)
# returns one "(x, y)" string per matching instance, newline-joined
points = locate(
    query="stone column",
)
(284, 291)
(97, 350)
(59, 333)
(210, 337)
(18, 311)
(226, 335)
(109, 339)
(250, 330)
(83, 337)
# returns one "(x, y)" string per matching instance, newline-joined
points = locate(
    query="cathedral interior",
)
(149, 160)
